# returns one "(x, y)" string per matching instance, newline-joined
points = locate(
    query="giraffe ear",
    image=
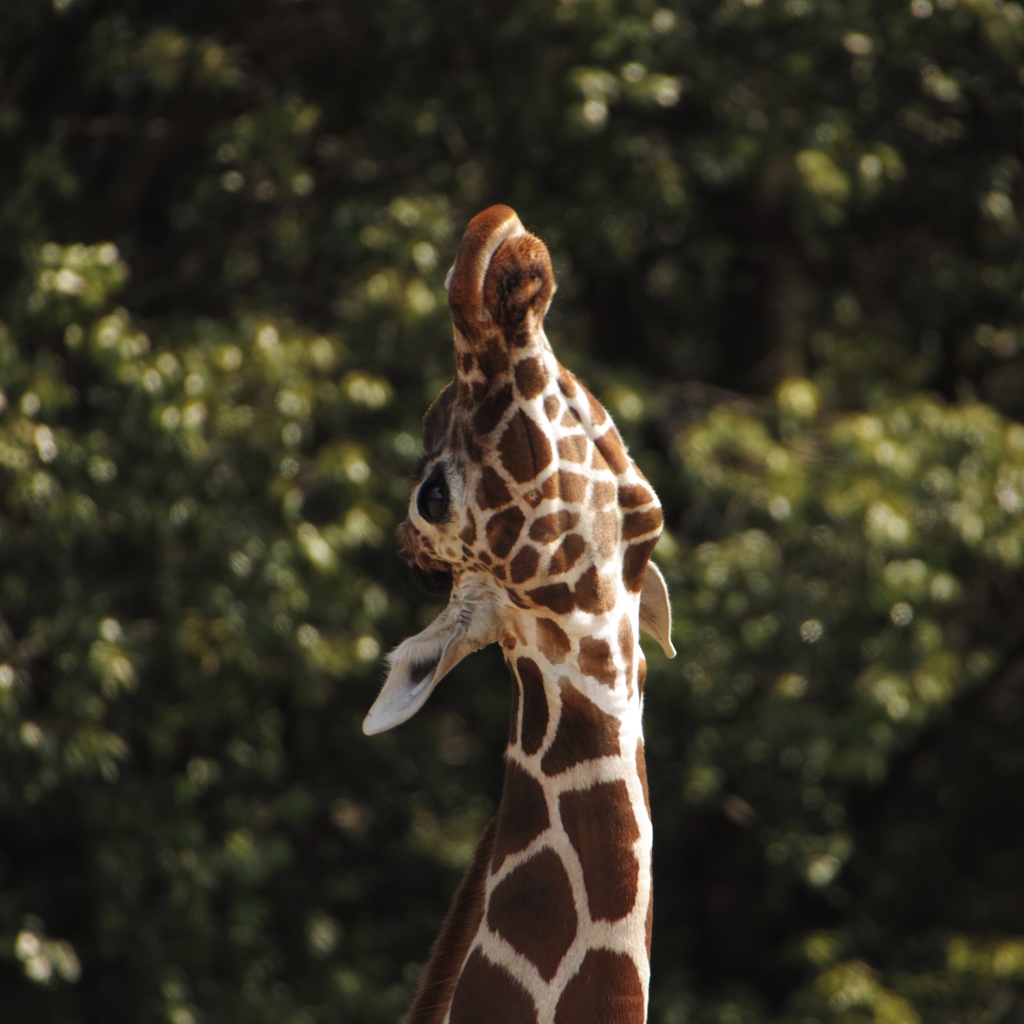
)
(655, 610)
(418, 664)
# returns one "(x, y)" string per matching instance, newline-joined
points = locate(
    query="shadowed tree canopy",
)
(788, 238)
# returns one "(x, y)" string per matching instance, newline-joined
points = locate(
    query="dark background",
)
(788, 240)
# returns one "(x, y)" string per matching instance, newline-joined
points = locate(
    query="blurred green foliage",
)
(224, 229)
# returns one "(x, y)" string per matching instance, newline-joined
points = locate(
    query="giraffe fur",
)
(528, 501)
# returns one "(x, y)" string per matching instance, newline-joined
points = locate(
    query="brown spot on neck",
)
(524, 565)
(492, 409)
(595, 592)
(626, 648)
(570, 487)
(605, 990)
(535, 705)
(634, 496)
(636, 524)
(532, 909)
(602, 828)
(556, 596)
(547, 529)
(531, 377)
(485, 984)
(567, 554)
(634, 564)
(503, 530)
(572, 448)
(524, 447)
(523, 814)
(492, 492)
(597, 413)
(596, 660)
(553, 641)
(610, 445)
(584, 732)
(492, 356)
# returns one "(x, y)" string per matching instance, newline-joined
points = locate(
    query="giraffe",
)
(528, 504)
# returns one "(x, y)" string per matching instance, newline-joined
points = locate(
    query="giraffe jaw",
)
(471, 621)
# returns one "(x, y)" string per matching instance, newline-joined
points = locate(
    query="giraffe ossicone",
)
(528, 504)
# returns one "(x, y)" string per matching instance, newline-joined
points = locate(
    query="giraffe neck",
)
(563, 926)
(528, 502)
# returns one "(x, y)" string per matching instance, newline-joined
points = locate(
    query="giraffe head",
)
(526, 501)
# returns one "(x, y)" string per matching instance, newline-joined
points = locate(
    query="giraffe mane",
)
(448, 954)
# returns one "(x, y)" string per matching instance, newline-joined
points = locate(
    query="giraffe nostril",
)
(432, 499)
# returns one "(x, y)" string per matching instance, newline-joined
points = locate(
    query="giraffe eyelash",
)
(424, 460)
(421, 464)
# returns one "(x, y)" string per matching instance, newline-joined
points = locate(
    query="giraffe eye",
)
(432, 499)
